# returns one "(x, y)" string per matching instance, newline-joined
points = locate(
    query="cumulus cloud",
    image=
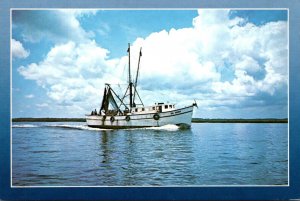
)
(18, 50)
(177, 65)
(55, 25)
(195, 57)
(74, 74)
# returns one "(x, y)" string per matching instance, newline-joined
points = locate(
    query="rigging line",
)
(140, 98)
(122, 103)
(123, 72)
(119, 88)
(118, 98)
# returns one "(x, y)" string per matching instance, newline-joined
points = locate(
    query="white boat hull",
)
(181, 117)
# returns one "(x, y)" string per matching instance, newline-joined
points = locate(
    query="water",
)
(72, 154)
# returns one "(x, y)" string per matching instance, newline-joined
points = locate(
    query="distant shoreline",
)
(271, 120)
(194, 120)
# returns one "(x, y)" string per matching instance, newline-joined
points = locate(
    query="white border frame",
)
(288, 90)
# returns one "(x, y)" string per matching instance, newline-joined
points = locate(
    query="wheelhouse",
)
(158, 107)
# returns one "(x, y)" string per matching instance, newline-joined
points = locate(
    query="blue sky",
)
(232, 62)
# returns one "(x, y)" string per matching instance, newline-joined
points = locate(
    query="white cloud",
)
(29, 96)
(56, 25)
(193, 56)
(74, 74)
(104, 29)
(42, 105)
(248, 64)
(177, 65)
(18, 50)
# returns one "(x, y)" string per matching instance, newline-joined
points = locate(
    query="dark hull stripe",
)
(117, 127)
(126, 127)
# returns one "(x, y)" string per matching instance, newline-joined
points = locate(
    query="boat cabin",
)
(158, 107)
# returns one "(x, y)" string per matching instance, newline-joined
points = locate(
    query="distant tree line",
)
(269, 120)
(194, 120)
(48, 120)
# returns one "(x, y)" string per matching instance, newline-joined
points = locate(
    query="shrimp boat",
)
(128, 111)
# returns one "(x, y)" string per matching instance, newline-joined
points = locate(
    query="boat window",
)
(166, 106)
(143, 109)
(160, 108)
(136, 109)
(170, 106)
(153, 108)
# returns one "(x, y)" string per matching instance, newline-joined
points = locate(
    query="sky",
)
(233, 63)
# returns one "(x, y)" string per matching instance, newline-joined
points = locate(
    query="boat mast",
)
(137, 75)
(129, 78)
(137, 72)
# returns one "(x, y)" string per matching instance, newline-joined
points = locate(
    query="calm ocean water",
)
(71, 154)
